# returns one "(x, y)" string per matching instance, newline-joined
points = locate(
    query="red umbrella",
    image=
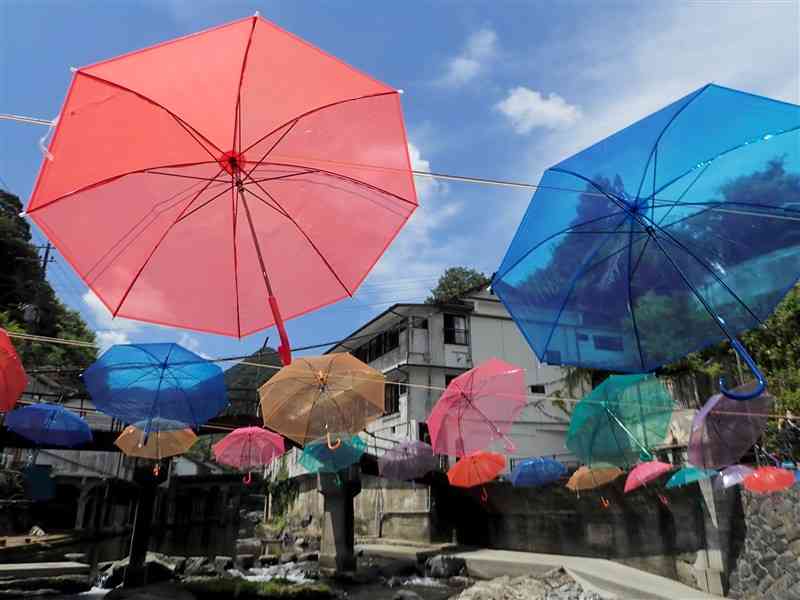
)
(183, 174)
(769, 479)
(478, 408)
(12, 376)
(475, 469)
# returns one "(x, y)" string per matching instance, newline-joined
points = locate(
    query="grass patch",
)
(278, 589)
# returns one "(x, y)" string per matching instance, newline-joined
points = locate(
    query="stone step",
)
(43, 569)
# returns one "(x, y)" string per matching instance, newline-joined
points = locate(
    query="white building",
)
(424, 346)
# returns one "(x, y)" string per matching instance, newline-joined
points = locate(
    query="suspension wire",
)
(24, 119)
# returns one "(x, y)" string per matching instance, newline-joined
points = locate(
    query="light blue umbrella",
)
(689, 475)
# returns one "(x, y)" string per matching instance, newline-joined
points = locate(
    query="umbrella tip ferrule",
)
(23, 214)
(257, 14)
(73, 69)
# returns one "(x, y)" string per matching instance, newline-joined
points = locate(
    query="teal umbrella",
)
(689, 475)
(321, 457)
(620, 421)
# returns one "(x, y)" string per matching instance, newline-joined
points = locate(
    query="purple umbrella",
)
(725, 429)
(734, 475)
(408, 460)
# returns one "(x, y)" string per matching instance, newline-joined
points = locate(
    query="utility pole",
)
(46, 259)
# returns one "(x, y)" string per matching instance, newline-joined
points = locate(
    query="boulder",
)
(248, 546)
(245, 561)
(157, 568)
(198, 565)
(60, 584)
(267, 560)
(444, 566)
(308, 557)
(179, 562)
(406, 595)
(222, 564)
(301, 542)
(460, 581)
(287, 557)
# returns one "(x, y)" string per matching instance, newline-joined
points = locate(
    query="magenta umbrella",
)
(247, 448)
(408, 460)
(725, 429)
(478, 408)
(644, 473)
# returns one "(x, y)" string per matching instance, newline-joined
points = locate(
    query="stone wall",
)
(765, 547)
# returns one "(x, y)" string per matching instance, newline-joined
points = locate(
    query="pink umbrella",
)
(644, 473)
(247, 448)
(478, 408)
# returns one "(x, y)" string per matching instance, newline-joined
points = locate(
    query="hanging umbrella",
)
(49, 424)
(586, 478)
(536, 472)
(734, 475)
(316, 396)
(769, 479)
(689, 475)
(475, 469)
(620, 420)
(725, 429)
(241, 152)
(247, 448)
(671, 235)
(162, 387)
(644, 473)
(319, 457)
(165, 441)
(478, 408)
(13, 380)
(407, 460)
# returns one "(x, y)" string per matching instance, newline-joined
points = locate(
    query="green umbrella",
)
(620, 421)
(320, 456)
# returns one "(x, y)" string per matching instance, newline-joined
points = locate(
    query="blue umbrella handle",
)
(751, 364)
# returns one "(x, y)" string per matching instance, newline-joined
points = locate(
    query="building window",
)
(455, 330)
(537, 388)
(419, 323)
(392, 393)
(381, 344)
(608, 342)
(448, 379)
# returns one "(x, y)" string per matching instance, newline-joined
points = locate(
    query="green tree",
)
(23, 284)
(456, 281)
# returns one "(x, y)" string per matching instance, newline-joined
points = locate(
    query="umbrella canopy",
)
(671, 235)
(476, 468)
(12, 375)
(246, 448)
(319, 457)
(689, 475)
(769, 479)
(586, 478)
(50, 424)
(316, 396)
(162, 387)
(644, 473)
(620, 420)
(725, 429)
(734, 475)
(407, 460)
(165, 441)
(478, 408)
(536, 472)
(223, 153)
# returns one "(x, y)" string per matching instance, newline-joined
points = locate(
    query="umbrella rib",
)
(573, 283)
(305, 235)
(631, 306)
(195, 177)
(287, 176)
(237, 128)
(680, 197)
(203, 205)
(715, 205)
(157, 245)
(261, 160)
(189, 129)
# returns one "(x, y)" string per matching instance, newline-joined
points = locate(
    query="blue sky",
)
(494, 89)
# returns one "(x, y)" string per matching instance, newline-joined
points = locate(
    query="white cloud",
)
(479, 50)
(527, 108)
(193, 344)
(106, 338)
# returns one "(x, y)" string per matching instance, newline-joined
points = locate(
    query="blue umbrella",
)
(49, 424)
(536, 472)
(678, 232)
(161, 386)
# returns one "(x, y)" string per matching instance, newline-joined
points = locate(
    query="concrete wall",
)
(765, 549)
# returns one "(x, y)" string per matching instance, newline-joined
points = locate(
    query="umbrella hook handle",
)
(751, 364)
(333, 445)
(285, 349)
(247, 478)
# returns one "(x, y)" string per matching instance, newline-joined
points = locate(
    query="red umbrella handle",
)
(484, 495)
(247, 478)
(285, 350)
(156, 470)
(333, 445)
(604, 502)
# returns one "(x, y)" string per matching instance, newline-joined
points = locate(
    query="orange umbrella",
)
(159, 444)
(476, 468)
(769, 479)
(315, 396)
(589, 479)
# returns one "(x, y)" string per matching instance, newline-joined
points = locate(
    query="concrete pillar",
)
(83, 500)
(336, 551)
(711, 566)
(135, 573)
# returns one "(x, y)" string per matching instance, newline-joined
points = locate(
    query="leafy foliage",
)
(454, 282)
(22, 283)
